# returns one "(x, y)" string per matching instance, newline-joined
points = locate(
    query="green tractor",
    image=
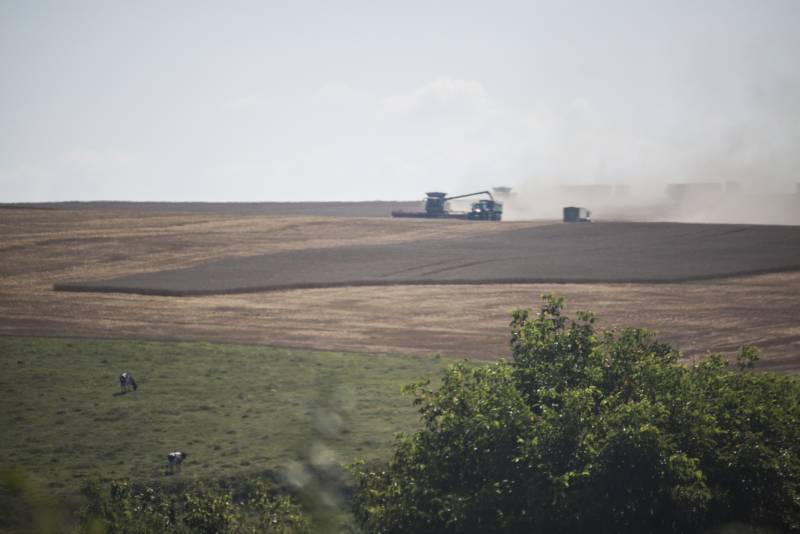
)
(486, 210)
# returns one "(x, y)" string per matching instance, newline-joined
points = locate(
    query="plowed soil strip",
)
(561, 253)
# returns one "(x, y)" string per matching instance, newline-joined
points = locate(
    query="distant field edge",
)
(89, 287)
(214, 342)
(60, 337)
(355, 208)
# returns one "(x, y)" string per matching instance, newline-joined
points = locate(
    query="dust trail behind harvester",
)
(696, 203)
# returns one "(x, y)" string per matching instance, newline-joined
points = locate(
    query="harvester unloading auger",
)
(436, 208)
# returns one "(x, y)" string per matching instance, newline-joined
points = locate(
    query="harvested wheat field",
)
(41, 248)
(559, 253)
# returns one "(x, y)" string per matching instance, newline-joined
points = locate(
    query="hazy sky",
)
(249, 101)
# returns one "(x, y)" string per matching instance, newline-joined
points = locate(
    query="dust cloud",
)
(732, 163)
(717, 144)
(685, 202)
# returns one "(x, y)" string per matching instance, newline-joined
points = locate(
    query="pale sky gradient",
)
(290, 101)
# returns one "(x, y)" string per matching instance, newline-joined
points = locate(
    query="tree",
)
(591, 431)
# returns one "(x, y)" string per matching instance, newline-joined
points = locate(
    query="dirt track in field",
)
(41, 247)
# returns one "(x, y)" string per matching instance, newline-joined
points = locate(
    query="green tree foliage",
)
(587, 431)
(202, 508)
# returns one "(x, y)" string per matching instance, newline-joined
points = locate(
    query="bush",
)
(207, 508)
(587, 431)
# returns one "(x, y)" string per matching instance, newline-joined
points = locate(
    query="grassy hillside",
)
(234, 409)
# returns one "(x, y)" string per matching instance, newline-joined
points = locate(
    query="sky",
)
(294, 101)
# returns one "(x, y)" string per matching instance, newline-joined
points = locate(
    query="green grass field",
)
(235, 410)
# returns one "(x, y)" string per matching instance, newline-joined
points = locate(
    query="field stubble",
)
(41, 247)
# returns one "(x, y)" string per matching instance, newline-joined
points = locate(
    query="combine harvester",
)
(436, 208)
